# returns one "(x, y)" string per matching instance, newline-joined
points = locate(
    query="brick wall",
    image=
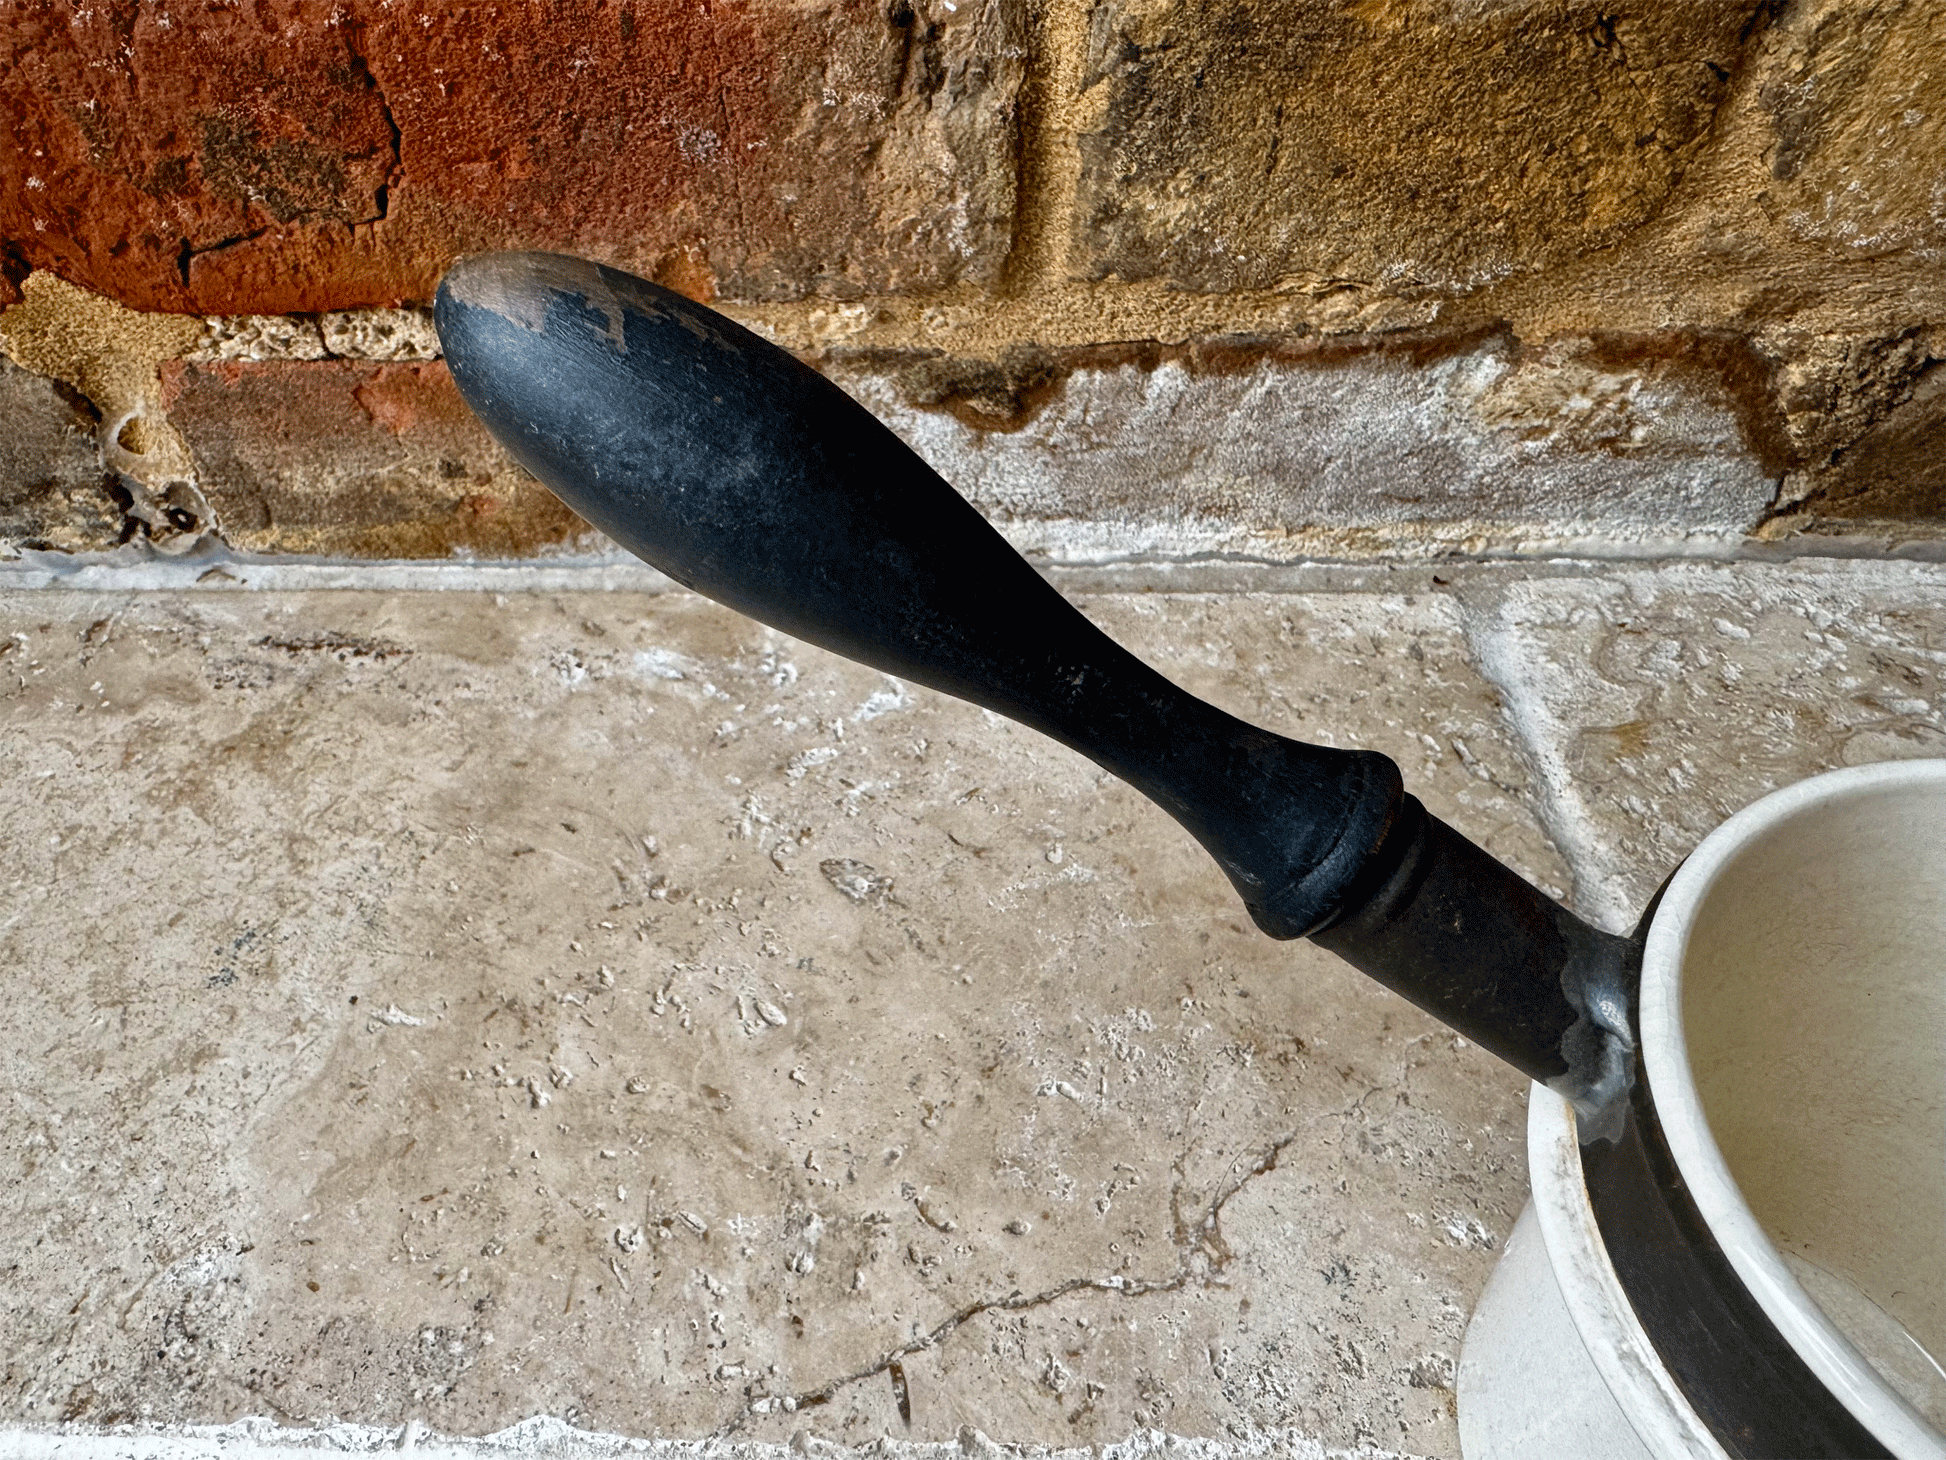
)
(1142, 276)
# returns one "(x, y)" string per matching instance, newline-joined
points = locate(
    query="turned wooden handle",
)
(747, 476)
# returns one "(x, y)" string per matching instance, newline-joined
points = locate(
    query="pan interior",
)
(1813, 1008)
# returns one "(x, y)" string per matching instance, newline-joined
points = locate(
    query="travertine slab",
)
(1659, 700)
(447, 1008)
(743, 1041)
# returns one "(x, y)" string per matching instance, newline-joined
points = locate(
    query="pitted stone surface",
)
(1854, 164)
(747, 1045)
(428, 1007)
(1660, 700)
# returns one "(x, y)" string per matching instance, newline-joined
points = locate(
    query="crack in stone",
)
(1038, 246)
(1204, 1237)
(190, 252)
(382, 195)
(1780, 507)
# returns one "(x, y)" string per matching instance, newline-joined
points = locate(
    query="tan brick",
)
(1412, 146)
(1858, 135)
(356, 458)
(301, 156)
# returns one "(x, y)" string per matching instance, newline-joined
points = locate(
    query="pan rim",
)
(1835, 1360)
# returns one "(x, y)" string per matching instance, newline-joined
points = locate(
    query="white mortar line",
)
(263, 1439)
(226, 572)
(213, 567)
(1514, 663)
(1512, 667)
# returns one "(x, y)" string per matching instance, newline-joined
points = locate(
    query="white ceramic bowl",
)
(1793, 1023)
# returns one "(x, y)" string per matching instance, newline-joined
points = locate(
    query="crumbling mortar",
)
(111, 357)
(1004, 390)
(403, 334)
(1023, 339)
(1005, 395)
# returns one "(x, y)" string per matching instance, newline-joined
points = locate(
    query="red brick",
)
(302, 155)
(354, 458)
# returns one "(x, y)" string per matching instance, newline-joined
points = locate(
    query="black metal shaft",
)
(747, 476)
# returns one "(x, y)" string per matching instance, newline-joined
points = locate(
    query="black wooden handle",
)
(747, 476)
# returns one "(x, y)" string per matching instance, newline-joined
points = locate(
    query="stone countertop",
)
(440, 1009)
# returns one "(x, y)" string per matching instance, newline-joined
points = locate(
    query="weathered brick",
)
(53, 491)
(1395, 445)
(1249, 142)
(356, 458)
(1895, 471)
(1858, 135)
(297, 155)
